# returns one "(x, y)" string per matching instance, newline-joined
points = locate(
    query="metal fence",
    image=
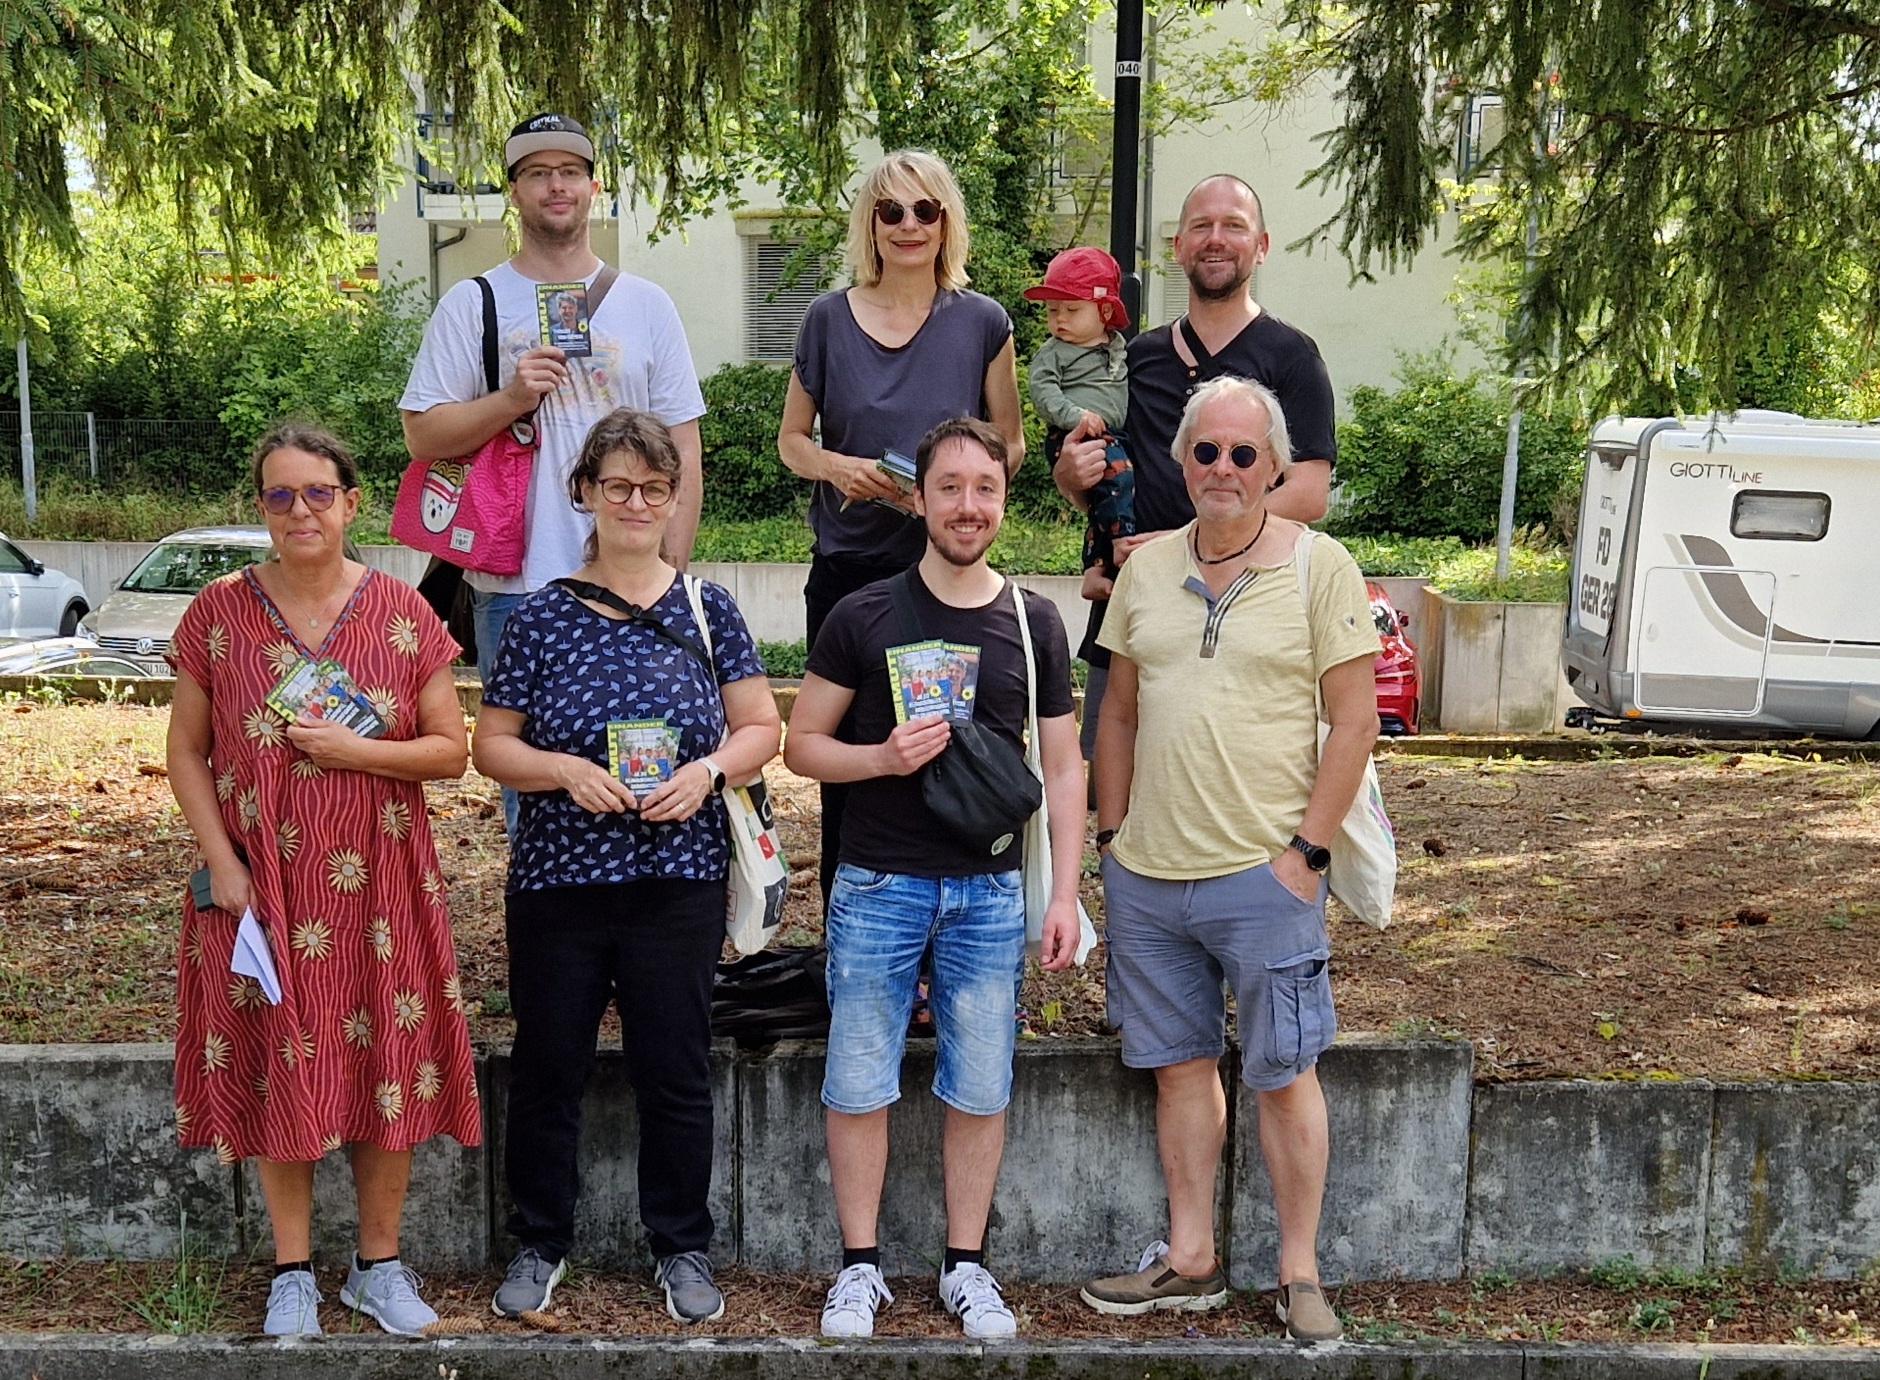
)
(116, 452)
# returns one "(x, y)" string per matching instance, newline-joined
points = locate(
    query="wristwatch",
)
(1104, 836)
(717, 775)
(1318, 857)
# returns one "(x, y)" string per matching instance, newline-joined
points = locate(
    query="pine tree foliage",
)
(281, 116)
(1703, 176)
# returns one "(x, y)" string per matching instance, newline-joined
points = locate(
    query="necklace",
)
(1223, 560)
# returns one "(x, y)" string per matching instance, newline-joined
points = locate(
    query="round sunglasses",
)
(926, 211)
(1245, 456)
(317, 497)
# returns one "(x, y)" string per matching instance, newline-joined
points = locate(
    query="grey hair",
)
(1278, 438)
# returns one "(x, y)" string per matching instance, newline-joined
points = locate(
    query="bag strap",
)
(1302, 577)
(492, 366)
(901, 590)
(600, 594)
(603, 283)
(1034, 755)
(1204, 358)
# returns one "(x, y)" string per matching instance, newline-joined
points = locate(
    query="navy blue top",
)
(568, 670)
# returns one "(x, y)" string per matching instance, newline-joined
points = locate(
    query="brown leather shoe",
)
(1308, 1317)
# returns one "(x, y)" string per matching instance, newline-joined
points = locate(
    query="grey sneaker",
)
(529, 1285)
(388, 1294)
(293, 1306)
(691, 1297)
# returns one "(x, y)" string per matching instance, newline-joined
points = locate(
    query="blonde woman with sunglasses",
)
(878, 365)
(307, 805)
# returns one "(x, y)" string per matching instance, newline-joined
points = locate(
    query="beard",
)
(550, 235)
(1207, 292)
(960, 551)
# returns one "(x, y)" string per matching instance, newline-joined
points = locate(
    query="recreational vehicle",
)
(1727, 572)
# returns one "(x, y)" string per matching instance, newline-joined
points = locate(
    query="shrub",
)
(744, 479)
(1427, 458)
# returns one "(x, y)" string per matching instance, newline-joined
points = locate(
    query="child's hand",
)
(1097, 584)
(1092, 425)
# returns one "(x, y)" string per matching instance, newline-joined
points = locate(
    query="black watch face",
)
(1319, 859)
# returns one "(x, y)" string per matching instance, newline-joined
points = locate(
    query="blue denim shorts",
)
(880, 924)
(1172, 943)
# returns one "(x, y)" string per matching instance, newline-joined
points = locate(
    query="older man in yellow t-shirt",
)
(1216, 807)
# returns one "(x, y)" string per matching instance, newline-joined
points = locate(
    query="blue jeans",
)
(492, 612)
(879, 925)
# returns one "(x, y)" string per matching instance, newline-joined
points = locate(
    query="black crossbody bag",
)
(600, 594)
(979, 786)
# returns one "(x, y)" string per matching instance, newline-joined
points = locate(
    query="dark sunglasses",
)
(1244, 456)
(317, 497)
(926, 211)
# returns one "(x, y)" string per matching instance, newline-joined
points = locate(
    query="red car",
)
(1399, 681)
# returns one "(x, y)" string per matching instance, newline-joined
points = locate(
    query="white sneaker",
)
(853, 1300)
(971, 1294)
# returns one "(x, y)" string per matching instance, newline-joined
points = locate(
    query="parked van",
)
(1727, 572)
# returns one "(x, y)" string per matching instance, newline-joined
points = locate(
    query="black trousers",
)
(649, 947)
(832, 579)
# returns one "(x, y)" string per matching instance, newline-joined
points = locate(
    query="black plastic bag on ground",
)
(782, 994)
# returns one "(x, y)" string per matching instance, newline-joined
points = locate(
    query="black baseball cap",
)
(547, 133)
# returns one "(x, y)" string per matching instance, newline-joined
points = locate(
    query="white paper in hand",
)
(254, 959)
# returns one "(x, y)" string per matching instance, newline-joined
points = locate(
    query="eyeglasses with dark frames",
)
(1245, 455)
(656, 492)
(317, 497)
(926, 211)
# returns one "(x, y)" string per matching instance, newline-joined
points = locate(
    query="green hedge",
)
(1427, 458)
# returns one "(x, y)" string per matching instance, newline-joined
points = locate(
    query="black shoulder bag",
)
(979, 786)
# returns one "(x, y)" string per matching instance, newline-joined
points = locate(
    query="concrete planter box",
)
(1492, 668)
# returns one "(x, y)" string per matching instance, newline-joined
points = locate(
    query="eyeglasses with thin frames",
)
(1245, 456)
(540, 176)
(926, 211)
(656, 493)
(317, 497)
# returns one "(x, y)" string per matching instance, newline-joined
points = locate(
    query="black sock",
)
(861, 1255)
(291, 1266)
(368, 1264)
(955, 1256)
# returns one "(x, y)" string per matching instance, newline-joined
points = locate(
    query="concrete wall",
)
(1493, 668)
(1431, 1176)
(771, 595)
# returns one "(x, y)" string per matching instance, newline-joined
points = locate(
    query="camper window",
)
(1779, 516)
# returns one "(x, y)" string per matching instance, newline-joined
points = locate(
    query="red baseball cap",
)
(1084, 274)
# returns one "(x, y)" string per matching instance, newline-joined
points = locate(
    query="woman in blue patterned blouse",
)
(617, 890)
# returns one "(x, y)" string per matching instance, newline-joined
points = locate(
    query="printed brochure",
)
(325, 690)
(933, 679)
(641, 752)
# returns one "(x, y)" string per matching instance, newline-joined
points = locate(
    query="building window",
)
(1769, 516)
(774, 308)
(1482, 127)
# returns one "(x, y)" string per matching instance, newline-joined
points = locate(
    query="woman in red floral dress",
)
(322, 833)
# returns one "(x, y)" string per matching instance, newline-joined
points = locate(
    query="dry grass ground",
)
(1655, 917)
(1616, 1303)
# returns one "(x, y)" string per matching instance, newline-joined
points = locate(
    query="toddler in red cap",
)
(1082, 374)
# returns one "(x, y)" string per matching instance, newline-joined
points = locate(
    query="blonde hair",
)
(933, 178)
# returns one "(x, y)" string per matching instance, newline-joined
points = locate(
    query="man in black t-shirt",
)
(905, 880)
(1220, 240)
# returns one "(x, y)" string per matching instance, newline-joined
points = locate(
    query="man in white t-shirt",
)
(639, 359)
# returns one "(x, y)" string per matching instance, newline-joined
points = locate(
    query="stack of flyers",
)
(561, 309)
(325, 690)
(933, 679)
(641, 752)
(900, 470)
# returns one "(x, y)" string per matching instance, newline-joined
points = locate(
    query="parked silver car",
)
(36, 602)
(141, 615)
(68, 656)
